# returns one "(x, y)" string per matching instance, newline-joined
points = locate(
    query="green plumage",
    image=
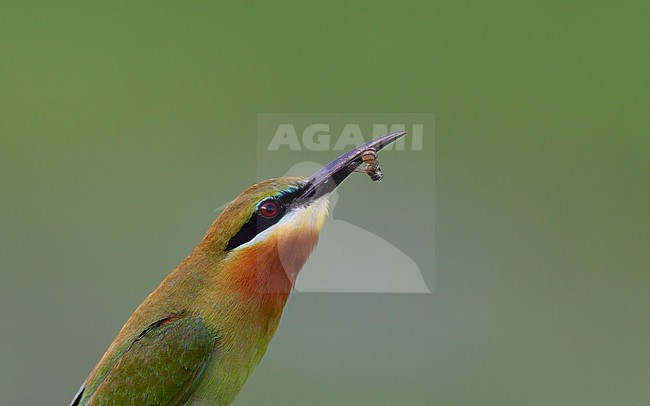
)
(161, 366)
(199, 335)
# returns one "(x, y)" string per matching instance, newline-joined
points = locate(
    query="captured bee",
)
(370, 165)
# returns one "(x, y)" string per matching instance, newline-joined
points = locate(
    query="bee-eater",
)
(198, 336)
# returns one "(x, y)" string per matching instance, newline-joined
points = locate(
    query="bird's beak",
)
(335, 172)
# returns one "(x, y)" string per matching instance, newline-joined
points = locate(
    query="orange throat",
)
(266, 272)
(263, 271)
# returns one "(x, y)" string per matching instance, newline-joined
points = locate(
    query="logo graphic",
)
(365, 262)
(319, 137)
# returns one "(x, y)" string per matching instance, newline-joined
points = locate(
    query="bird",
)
(198, 336)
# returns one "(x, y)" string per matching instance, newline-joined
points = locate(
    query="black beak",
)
(335, 172)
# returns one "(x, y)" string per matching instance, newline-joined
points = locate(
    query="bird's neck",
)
(265, 273)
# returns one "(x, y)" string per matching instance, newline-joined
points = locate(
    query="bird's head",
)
(265, 235)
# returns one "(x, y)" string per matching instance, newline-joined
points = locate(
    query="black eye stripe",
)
(255, 225)
(258, 223)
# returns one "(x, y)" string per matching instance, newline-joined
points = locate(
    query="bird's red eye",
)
(269, 209)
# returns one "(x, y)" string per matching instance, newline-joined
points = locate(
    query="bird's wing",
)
(160, 366)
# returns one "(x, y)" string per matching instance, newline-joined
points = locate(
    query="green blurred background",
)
(123, 126)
